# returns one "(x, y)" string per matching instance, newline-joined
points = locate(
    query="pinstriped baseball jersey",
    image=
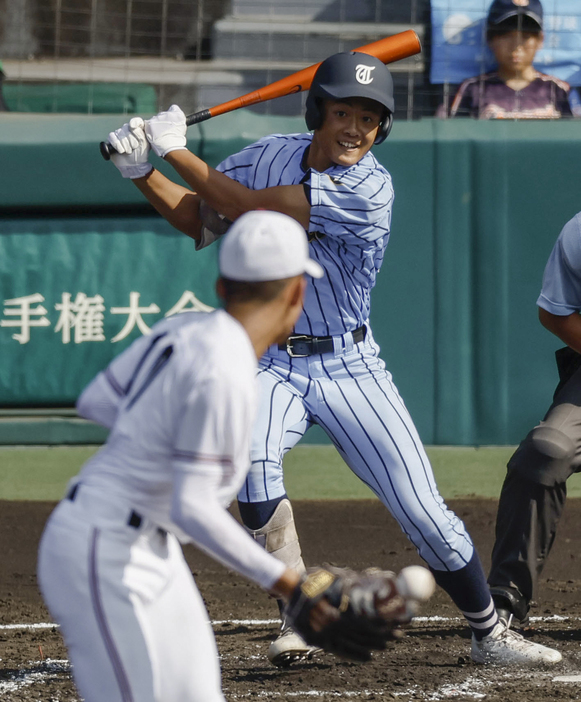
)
(349, 227)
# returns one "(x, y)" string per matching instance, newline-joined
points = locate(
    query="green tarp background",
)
(478, 207)
(94, 98)
(116, 259)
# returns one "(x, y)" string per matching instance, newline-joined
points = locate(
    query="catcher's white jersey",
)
(183, 401)
(180, 404)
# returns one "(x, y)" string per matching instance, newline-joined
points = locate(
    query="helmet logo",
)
(521, 3)
(363, 74)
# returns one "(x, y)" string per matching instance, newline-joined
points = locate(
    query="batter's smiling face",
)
(348, 131)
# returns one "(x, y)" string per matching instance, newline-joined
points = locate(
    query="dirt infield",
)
(431, 663)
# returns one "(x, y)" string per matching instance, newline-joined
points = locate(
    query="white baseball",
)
(415, 583)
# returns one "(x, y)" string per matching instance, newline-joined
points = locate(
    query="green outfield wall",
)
(85, 266)
(99, 98)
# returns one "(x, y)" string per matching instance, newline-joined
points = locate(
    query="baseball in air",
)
(416, 583)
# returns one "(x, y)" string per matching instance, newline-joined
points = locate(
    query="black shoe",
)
(511, 606)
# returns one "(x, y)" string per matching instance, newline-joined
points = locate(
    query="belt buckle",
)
(289, 349)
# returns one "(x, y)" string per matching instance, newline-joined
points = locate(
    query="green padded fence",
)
(84, 98)
(77, 291)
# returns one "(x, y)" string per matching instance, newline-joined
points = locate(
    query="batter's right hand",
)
(167, 131)
(131, 149)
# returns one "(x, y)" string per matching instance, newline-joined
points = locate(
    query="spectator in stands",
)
(516, 90)
(3, 106)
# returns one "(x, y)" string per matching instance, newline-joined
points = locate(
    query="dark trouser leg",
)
(526, 524)
(532, 501)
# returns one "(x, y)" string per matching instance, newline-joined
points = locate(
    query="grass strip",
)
(311, 472)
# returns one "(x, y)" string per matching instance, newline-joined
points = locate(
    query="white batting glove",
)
(132, 149)
(167, 131)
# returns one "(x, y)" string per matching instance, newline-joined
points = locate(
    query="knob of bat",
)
(106, 150)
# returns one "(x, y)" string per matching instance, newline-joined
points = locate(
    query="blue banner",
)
(459, 48)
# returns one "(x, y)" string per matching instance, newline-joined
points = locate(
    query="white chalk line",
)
(40, 672)
(362, 694)
(472, 687)
(45, 625)
(269, 622)
(216, 622)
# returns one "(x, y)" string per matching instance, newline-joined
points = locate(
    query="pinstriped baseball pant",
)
(353, 398)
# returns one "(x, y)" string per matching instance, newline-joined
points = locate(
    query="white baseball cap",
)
(264, 245)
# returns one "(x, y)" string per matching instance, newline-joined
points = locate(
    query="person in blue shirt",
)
(535, 488)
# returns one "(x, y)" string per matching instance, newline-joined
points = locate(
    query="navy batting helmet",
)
(347, 75)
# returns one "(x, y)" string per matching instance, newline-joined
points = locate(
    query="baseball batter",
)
(328, 372)
(535, 488)
(179, 404)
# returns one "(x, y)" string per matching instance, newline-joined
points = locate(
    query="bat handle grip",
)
(202, 116)
(197, 117)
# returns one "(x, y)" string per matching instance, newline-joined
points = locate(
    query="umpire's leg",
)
(526, 524)
(532, 500)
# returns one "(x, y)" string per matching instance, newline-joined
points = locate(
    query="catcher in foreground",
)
(180, 405)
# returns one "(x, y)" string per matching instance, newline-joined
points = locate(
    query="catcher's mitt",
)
(370, 607)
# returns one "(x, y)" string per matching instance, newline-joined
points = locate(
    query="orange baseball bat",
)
(387, 50)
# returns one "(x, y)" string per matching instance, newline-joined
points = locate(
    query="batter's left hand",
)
(167, 131)
(131, 149)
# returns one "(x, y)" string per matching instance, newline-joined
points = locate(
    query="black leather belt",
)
(134, 520)
(303, 345)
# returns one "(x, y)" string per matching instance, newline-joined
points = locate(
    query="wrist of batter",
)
(174, 148)
(139, 170)
(146, 175)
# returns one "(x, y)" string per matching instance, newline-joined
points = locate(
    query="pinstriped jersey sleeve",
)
(561, 291)
(273, 160)
(240, 166)
(253, 166)
(353, 204)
